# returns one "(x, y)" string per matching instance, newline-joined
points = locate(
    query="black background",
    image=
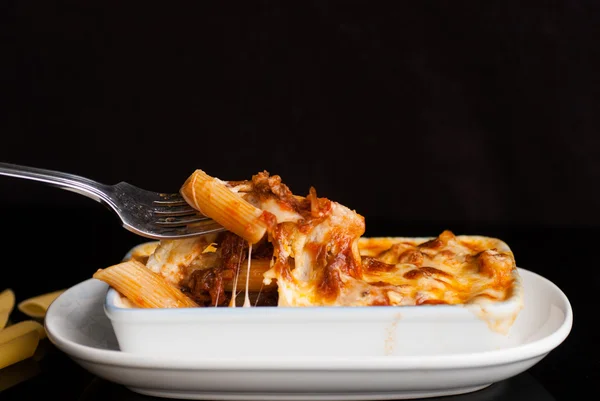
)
(478, 117)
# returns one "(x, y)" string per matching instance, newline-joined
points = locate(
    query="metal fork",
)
(149, 214)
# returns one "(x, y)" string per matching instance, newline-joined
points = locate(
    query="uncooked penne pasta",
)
(19, 348)
(7, 303)
(36, 307)
(143, 287)
(20, 329)
(214, 199)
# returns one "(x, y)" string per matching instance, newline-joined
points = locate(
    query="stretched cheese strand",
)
(235, 281)
(246, 297)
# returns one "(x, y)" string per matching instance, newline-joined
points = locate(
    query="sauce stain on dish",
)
(390, 335)
(500, 325)
(500, 317)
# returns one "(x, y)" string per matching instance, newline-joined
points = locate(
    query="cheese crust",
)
(313, 253)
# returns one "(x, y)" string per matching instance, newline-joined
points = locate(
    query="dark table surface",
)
(564, 255)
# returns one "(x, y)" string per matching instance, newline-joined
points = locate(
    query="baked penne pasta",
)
(253, 276)
(143, 287)
(281, 249)
(212, 197)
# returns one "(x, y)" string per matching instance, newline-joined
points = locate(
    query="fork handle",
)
(70, 182)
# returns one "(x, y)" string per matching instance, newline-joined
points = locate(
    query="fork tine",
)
(173, 199)
(180, 221)
(182, 210)
(172, 195)
(171, 202)
(205, 226)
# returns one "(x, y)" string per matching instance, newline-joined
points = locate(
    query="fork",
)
(150, 214)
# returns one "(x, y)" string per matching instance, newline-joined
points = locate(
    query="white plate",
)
(77, 324)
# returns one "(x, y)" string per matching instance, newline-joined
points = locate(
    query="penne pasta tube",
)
(255, 279)
(7, 303)
(20, 329)
(143, 287)
(36, 307)
(214, 199)
(18, 348)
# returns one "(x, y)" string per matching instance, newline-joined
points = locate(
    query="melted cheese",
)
(171, 258)
(321, 259)
(246, 295)
(235, 283)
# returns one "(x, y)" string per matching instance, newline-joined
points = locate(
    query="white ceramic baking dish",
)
(424, 330)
